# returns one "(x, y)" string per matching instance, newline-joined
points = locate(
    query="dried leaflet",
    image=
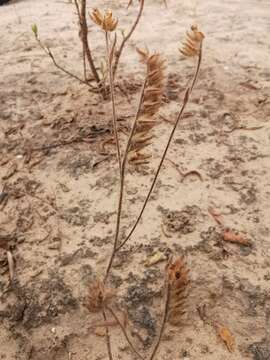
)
(98, 296)
(191, 46)
(105, 21)
(233, 237)
(227, 337)
(151, 104)
(179, 280)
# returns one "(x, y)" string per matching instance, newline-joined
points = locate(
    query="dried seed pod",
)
(178, 282)
(98, 296)
(105, 21)
(151, 103)
(192, 45)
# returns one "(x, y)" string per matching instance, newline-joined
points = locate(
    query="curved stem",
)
(108, 339)
(179, 117)
(127, 37)
(109, 60)
(164, 319)
(125, 334)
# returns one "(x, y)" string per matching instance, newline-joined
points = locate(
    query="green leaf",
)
(35, 29)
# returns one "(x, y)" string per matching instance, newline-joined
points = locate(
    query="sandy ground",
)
(58, 203)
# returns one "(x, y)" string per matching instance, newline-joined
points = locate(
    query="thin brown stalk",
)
(84, 38)
(126, 38)
(122, 181)
(108, 339)
(110, 54)
(125, 334)
(164, 318)
(80, 35)
(179, 117)
(50, 54)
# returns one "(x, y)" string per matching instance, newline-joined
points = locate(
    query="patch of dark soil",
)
(181, 222)
(76, 216)
(260, 350)
(39, 302)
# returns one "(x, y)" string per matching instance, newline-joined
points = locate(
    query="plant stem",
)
(108, 340)
(179, 117)
(125, 333)
(164, 319)
(116, 137)
(50, 54)
(122, 181)
(84, 38)
(127, 37)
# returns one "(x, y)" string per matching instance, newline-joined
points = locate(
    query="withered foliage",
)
(105, 21)
(99, 296)
(151, 102)
(191, 46)
(178, 286)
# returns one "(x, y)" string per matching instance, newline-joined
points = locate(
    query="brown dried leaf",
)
(234, 237)
(151, 104)
(105, 21)
(178, 280)
(98, 296)
(227, 337)
(191, 46)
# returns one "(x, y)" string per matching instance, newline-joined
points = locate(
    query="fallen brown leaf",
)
(227, 337)
(234, 237)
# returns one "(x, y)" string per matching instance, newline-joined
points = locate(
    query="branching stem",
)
(125, 334)
(122, 180)
(126, 38)
(179, 117)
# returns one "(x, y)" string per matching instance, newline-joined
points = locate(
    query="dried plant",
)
(176, 282)
(98, 296)
(191, 46)
(97, 79)
(105, 21)
(179, 281)
(151, 102)
(187, 95)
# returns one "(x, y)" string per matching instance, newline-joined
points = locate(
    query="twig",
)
(108, 340)
(84, 38)
(184, 175)
(47, 50)
(125, 333)
(110, 54)
(80, 36)
(11, 265)
(179, 117)
(122, 180)
(164, 319)
(126, 38)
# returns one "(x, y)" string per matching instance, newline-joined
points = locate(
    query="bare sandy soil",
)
(59, 196)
